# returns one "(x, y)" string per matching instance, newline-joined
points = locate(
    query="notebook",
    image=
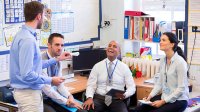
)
(71, 109)
(114, 92)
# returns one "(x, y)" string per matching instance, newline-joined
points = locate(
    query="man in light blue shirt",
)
(26, 63)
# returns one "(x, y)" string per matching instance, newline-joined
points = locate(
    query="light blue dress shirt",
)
(172, 82)
(26, 63)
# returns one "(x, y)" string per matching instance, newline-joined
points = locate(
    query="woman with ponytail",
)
(172, 82)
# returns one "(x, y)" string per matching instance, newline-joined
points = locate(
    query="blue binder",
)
(71, 109)
(126, 27)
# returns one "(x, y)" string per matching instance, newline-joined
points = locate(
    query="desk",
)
(79, 85)
(142, 89)
(7, 107)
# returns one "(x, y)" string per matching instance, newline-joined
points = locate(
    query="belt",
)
(101, 97)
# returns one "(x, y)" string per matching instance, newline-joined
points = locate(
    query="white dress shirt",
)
(60, 93)
(122, 76)
(175, 87)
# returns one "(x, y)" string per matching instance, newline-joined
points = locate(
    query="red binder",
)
(134, 13)
(146, 30)
(132, 28)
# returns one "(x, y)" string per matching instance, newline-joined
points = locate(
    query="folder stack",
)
(138, 27)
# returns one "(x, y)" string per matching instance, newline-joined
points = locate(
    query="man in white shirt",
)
(59, 94)
(106, 76)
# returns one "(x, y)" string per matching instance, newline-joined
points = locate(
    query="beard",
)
(39, 25)
(56, 53)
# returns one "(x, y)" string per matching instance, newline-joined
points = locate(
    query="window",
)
(163, 10)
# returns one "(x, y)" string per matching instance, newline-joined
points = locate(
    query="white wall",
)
(113, 11)
(132, 5)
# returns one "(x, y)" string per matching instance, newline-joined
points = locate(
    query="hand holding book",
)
(116, 94)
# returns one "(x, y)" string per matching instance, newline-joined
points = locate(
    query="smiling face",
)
(165, 44)
(113, 50)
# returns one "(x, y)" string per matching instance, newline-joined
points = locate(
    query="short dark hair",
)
(32, 9)
(50, 39)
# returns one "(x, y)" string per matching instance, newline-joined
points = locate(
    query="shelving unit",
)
(139, 32)
(141, 41)
(139, 27)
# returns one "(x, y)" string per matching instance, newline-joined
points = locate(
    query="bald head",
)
(113, 50)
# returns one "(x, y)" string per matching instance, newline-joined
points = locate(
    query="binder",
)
(131, 33)
(151, 28)
(114, 92)
(136, 28)
(146, 30)
(134, 13)
(71, 109)
(126, 27)
(141, 28)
